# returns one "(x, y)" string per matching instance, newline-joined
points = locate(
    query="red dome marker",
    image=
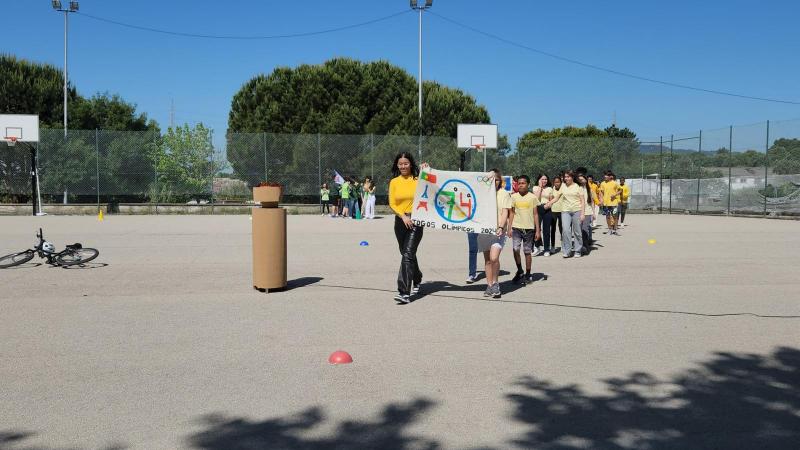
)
(340, 357)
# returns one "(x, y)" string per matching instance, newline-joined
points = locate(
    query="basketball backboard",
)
(470, 135)
(23, 127)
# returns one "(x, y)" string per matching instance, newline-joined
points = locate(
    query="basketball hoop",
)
(479, 147)
(11, 141)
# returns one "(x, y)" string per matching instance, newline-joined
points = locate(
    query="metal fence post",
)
(661, 174)
(699, 172)
(372, 156)
(319, 167)
(730, 164)
(97, 165)
(671, 166)
(264, 139)
(155, 172)
(766, 168)
(212, 168)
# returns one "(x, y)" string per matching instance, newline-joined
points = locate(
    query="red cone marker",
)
(340, 357)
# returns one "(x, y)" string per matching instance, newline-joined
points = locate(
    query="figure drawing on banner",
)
(456, 201)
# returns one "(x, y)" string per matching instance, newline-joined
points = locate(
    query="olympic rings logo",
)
(484, 179)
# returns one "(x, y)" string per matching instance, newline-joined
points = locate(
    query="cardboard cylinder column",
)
(269, 239)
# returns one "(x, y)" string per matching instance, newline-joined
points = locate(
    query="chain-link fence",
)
(752, 169)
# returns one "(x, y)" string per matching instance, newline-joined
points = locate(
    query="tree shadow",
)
(387, 431)
(733, 401)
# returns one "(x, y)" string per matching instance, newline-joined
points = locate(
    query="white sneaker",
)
(546, 253)
(471, 279)
(536, 252)
(578, 254)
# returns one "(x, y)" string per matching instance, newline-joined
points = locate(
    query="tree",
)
(184, 163)
(32, 88)
(108, 112)
(784, 156)
(120, 151)
(344, 97)
(559, 149)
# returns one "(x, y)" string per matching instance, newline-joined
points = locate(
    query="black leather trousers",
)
(407, 240)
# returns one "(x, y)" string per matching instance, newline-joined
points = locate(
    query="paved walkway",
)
(691, 342)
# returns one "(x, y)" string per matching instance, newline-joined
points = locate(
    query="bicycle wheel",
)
(16, 259)
(73, 257)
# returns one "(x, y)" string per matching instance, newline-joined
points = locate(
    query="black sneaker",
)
(414, 290)
(529, 278)
(517, 277)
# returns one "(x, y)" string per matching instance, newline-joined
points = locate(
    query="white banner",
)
(456, 201)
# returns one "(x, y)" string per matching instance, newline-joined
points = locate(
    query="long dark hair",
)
(589, 199)
(539, 177)
(498, 176)
(410, 158)
(557, 177)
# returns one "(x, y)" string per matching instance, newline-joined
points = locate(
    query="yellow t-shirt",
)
(503, 202)
(610, 191)
(401, 194)
(556, 206)
(596, 198)
(626, 193)
(523, 210)
(588, 208)
(546, 194)
(570, 197)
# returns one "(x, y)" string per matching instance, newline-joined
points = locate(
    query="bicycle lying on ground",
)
(72, 255)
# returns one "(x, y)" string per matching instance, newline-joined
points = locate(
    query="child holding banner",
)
(492, 245)
(401, 199)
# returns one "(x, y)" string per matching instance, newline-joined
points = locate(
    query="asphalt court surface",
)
(690, 342)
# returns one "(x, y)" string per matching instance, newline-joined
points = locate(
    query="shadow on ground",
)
(15, 440)
(733, 401)
(387, 431)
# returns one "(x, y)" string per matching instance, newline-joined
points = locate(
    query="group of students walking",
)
(529, 215)
(351, 200)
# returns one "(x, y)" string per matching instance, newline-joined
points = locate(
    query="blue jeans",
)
(472, 241)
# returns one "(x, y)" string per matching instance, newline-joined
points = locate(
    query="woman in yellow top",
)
(588, 212)
(623, 200)
(543, 193)
(572, 215)
(401, 199)
(596, 204)
(556, 210)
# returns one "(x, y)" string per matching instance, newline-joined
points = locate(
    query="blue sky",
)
(746, 47)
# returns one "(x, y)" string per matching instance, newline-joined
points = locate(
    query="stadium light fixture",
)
(56, 4)
(73, 6)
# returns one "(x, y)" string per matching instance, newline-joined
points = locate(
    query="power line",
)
(232, 37)
(605, 69)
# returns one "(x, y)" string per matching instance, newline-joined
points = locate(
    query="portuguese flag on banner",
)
(429, 177)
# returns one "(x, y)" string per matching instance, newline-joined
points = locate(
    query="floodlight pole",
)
(66, 28)
(73, 7)
(416, 4)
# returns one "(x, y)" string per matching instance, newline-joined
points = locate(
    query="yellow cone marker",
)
(651, 241)
(100, 216)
